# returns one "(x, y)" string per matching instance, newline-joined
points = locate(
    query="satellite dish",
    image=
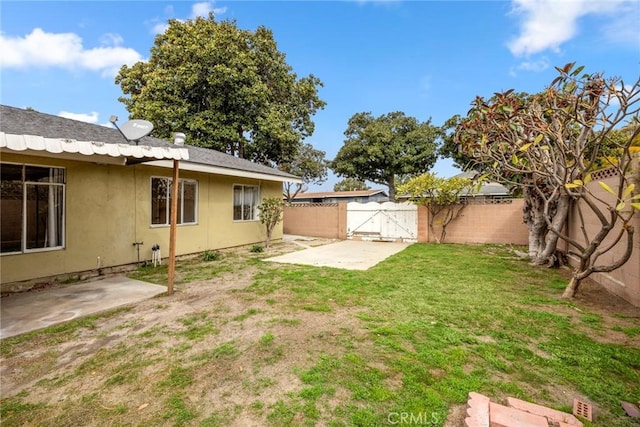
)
(133, 130)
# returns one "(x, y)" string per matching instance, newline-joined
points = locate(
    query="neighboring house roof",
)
(104, 140)
(339, 194)
(486, 189)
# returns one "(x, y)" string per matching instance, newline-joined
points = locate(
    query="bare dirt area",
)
(230, 347)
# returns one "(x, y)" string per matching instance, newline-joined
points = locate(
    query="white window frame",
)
(181, 182)
(23, 222)
(254, 211)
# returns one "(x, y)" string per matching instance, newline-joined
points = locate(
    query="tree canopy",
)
(225, 88)
(380, 149)
(350, 184)
(310, 165)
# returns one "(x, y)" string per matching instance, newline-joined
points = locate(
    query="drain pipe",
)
(137, 245)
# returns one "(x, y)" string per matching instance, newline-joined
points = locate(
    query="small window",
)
(32, 206)
(245, 202)
(161, 201)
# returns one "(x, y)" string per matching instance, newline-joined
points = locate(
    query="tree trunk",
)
(533, 216)
(240, 143)
(391, 183)
(572, 288)
(557, 224)
(433, 233)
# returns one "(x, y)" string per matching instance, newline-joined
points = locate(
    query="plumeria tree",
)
(549, 144)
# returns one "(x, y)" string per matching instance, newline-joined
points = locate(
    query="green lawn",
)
(296, 345)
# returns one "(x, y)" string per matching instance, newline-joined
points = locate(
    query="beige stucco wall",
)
(108, 209)
(499, 223)
(317, 220)
(624, 281)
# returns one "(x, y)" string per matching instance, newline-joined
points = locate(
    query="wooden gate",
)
(382, 221)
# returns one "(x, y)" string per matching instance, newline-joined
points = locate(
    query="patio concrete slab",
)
(347, 254)
(29, 311)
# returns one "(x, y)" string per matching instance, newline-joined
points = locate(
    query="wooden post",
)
(173, 227)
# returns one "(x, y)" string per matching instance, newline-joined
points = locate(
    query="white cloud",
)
(203, 8)
(159, 28)
(534, 66)
(623, 27)
(546, 24)
(65, 50)
(83, 117)
(111, 39)
(200, 9)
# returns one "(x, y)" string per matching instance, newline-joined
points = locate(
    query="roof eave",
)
(218, 170)
(87, 150)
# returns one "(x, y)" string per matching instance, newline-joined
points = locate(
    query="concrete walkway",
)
(30, 311)
(347, 254)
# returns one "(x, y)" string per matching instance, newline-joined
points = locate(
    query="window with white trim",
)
(245, 202)
(32, 206)
(161, 201)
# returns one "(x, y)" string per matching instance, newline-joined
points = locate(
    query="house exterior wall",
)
(624, 281)
(107, 209)
(317, 220)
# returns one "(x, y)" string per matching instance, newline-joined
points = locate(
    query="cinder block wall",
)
(317, 220)
(499, 223)
(625, 281)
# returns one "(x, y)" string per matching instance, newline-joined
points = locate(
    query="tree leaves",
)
(226, 88)
(378, 149)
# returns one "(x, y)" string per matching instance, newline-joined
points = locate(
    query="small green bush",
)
(256, 249)
(211, 256)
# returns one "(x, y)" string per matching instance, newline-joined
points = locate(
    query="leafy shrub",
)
(256, 249)
(211, 256)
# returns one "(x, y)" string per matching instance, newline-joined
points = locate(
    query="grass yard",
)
(245, 342)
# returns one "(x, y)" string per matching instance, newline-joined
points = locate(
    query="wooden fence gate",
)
(382, 221)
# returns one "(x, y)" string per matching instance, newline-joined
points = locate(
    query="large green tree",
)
(381, 149)
(350, 184)
(226, 88)
(310, 165)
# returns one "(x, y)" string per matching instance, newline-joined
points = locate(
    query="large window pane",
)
(237, 203)
(44, 216)
(11, 208)
(189, 202)
(32, 207)
(247, 205)
(245, 201)
(159, 200)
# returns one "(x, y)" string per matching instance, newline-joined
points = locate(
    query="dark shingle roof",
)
(29, 122)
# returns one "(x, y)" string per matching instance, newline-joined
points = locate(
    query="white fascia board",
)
(102, 160)
(197, 167)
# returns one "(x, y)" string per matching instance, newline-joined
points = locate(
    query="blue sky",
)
(428, 59)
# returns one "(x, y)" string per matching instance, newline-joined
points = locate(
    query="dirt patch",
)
(247, 347)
